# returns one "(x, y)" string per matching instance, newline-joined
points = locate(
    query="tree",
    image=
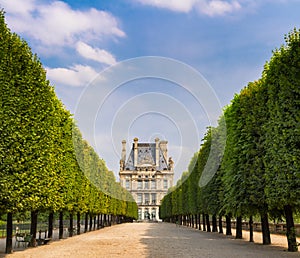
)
(282, 78)
(40, 168)
(29, 120)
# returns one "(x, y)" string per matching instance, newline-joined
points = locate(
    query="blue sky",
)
(227, 42)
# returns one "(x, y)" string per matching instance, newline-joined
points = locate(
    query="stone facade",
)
(147, 173)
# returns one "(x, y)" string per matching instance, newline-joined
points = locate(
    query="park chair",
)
(19, 239)
(22, 238)
(27, 240)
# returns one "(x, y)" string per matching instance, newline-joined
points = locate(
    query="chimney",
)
(124, 150)
(135, 151)
(156, 152)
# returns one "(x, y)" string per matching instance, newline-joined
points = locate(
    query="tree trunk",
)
(239, 229)
(50, 224)
(228, 225)
(78, 223)
(199, 221)
(86, 222)
(91, 222)
(71, 225)
(109, 220)
(207, 223)
(101, 218)
(214, 223)
(220, 224)
(9, 233)
(61, 225)
(251, 229)
(290, 229)
(265, 229)
(203, 221)
(94, 228)
(104, 221)
(33, 228)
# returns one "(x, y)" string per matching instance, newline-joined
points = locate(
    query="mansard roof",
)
(146, 157)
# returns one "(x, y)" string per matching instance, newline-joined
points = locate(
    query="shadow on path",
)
(168, 240)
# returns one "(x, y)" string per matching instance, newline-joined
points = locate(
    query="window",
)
(153, 198)
(165, 184)
(146, 196)
(146, 184)
(147, 214)
(127, 184)
(140, 184)
(153, 184)
(153, 214)
(139, 198)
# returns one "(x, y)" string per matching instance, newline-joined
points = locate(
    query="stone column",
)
(157, 214)
(143, 215)
(157, 152)
(135, 150)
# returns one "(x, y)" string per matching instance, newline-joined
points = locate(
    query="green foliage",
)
(45, 164)
(282, 78)
(260, 170)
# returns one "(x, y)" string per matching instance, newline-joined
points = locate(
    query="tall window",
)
(153, 214)
(153, 184)
(146, 196)
(140, 184)
(165, 183)
(153, 198)
(139, 198)
(127, 184)
(147, 214)
(146, 184)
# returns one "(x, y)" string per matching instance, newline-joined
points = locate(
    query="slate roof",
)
(146, 157)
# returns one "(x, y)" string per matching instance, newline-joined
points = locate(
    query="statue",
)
(171, 164)
(122, 164)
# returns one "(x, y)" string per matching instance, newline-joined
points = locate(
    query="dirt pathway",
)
(154, 240)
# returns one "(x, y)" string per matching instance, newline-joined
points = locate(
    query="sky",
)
(150, 68)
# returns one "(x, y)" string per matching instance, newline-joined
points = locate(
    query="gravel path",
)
(155, 240)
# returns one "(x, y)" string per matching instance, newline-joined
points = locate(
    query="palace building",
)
(147, 173)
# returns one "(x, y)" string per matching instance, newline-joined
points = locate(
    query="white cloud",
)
(174, 5)
(57, 24)
(17, 6)
(95, 54)
(77, 75)
(217, 7)
(55, 29)
(207, 7)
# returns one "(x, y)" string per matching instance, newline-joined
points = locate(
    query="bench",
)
(22, 238)
(45, 240)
